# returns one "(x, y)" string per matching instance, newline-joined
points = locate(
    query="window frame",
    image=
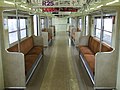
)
(19, 29)
(103, 31)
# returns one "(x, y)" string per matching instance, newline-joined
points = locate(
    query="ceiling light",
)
(99, 6)
(23, 6)
(112, 2)
(91, 8)
(30, 9)
(9, 2)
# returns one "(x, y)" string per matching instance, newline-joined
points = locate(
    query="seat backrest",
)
(13, 48)
(106, 48)
(94, 45)
(25, 46)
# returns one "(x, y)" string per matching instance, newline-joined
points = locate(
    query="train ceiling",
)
(58, 7)
(55, 7)
(53, 3)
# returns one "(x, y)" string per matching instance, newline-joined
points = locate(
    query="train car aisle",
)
(60, 74)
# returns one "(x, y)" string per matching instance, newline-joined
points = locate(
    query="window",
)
(106, 33)
(70, 21)
(23, 28)
(42, 23)
(86, 25)
(98, 27)
(35, 25)
(12, 29)
(80, 23)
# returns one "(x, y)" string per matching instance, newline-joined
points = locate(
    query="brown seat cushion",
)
(90, 51)
(35, 50)
(91, 61)
(85, 50)
(13, 48)
(94, 44)
(106, 48)
(29, 60)
(26, 45)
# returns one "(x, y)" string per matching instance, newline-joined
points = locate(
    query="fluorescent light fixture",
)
(91, 8)
(112, 2)
(29, 8)
(9, 2)
(99, 6)
(23, 6)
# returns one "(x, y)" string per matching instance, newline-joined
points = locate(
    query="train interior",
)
(59, 44)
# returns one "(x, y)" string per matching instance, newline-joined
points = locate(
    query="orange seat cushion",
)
(13, 48)
(35, 50)
(91, 61)
(90, 51)
(26, 45)
(29, 60)
(85, 50)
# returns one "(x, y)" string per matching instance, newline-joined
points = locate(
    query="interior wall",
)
(30, 26)
(83, 25)
(118, 43)
(1, 65)
(90, 25)
(60, 23)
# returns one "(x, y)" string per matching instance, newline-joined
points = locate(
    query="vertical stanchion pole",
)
(18, 30)
(102, 28)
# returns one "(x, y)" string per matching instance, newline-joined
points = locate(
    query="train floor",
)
(60, 68)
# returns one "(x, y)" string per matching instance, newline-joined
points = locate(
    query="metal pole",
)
(102, 28)
(18, 30)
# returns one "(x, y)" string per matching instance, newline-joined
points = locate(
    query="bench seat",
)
(30, 51)
(89, 51)
(98, 60)
(25, 55)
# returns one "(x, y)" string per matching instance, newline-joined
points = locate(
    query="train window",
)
(86, 25)
(70, 21)
(80, 23)
(35, 25)
(98, 27)
(42, 23)
(107, 32)
(12, 29)
(23, 28)
(107, 29)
